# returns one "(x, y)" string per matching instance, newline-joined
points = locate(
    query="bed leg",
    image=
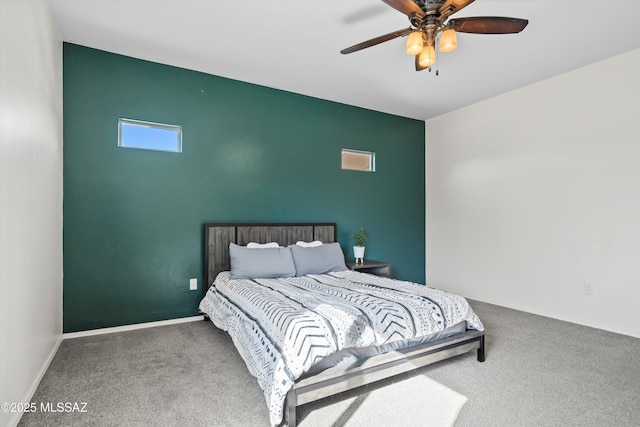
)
(290, 408)
(481, 350)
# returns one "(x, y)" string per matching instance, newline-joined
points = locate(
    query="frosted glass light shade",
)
(448, 41)
(427, 57)
(414, 43)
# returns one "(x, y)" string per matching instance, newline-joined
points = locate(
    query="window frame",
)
(142, 123)
(370, 154)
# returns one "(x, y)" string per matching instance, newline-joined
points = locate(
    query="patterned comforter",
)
(282, 326)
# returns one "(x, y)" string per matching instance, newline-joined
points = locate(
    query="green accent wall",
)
(133, 219)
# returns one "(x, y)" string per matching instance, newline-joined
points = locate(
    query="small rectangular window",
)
(358, 160)
(149, 136)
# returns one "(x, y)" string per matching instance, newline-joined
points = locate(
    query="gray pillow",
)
(249, 263)
(318, 259)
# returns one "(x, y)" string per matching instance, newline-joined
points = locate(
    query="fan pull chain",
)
(436, 52)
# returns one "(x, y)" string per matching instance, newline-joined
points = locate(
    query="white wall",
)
(30, 197)
(537, 191)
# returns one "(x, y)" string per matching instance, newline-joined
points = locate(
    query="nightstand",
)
(372, 267)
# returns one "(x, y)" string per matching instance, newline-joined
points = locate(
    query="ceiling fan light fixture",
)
(431, 28)
(427, 57)
(415, 43)
(448, 41)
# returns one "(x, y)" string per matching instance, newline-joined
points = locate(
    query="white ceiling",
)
(295, 45)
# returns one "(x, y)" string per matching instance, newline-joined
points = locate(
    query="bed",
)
(353, 328)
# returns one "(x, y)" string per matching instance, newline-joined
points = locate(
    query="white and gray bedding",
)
(282, 327)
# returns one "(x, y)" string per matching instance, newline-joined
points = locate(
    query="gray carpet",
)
(538, 372)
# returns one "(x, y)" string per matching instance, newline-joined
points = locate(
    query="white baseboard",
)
(130, 327)
(36, 382)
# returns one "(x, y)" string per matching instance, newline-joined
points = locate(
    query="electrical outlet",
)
(193, 284)
(588, 288)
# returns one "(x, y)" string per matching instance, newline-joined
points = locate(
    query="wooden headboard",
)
(217, 237)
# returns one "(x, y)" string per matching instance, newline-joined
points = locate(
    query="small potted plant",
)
(359, 238)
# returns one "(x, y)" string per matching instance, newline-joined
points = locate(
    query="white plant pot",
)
(358, 253)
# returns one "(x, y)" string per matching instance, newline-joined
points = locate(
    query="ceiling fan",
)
(429, 26)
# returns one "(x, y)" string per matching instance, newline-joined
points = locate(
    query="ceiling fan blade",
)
(455, 5)
(405, 6)
(488, 25)
(375, 41)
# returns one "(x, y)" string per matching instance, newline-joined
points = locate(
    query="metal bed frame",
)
(217, 237)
